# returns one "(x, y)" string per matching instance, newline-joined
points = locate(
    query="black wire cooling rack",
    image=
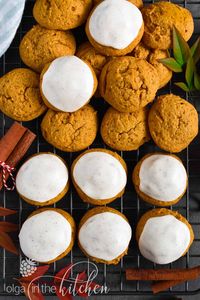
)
(111, 276)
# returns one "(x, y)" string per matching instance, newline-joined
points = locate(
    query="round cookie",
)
(70, 132)
(160, 179)
(61, 14)
(128, 83)
(104, 235)
(163, 235)
(47, 235)
(20, 97)
(40, 46)
(62, 82)
(99, 176)
(153, 56)
(173, 123)
(159, 19)
(43, 179)
(125, 131)
(138, 3)
(115, 27)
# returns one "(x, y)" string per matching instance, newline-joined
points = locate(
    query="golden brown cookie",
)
(120, 38)
(160, 179)
(110, 236)
(61, 14)
(70, 132)
(125, 131)
(128, 83)
(40, 46)
(159, 19)
(94, 184)
(138, 3)
(68, 218)
(153, 56)
(173, 123)
(161, 237)
(20, 97)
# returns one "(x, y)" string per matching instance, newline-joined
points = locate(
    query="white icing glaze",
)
(99, 175)
(42, 177)
(105, 235)
(45, 236)
(68, 83)
(162, 177)
(164, 239)
(115, 23)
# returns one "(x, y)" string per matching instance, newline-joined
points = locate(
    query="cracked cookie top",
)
(20, 97)
(70, 132)
(173, 123)
(125, 131)
(128, 83)
(40, 46)
(61, 14)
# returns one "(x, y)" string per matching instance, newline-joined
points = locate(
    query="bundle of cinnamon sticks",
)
(163, 279)
(13, 146)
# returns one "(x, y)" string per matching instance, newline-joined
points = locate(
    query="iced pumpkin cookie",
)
(153, 56)
(20, 97)
(173, 123)
(61, 14)
(115, 27)
(163, 235)
(47, 235)
(67, 83)
(159, 19)
(128, 83)
(138, 3)
(160, 179)
(43, 179)
(99, 176)
(70, 132)
(40, 46)
(104, 235)
(125, 131)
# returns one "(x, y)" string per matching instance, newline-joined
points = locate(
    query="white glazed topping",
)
(45, 236)
(105, 236)
(115, 23)
(99, 175)
(42, 177)
(164, 239)
(162, 177)
(68, 83)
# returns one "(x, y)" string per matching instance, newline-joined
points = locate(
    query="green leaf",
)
(181, 49)
(197, 81)
(195, 50)
(189, 73)
(171, 64)
(183, 86)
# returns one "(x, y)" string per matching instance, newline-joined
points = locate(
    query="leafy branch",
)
(185, 60)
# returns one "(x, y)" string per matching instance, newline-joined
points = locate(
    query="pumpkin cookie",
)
(61, 14)
(99, 176)
(115, 27)
(62, 82)
(125, 131)
(163, 235)
(47, 235)
(104, 235)
(138, 3)
(159, 19)
(128, 83)
(173, 123)
(153, 56)
(160, 179)
(20, 97)
(40, 46)
(70, 132)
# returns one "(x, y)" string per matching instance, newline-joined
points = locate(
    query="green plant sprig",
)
(185, 60)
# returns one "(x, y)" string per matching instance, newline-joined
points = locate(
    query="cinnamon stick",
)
(161, 286)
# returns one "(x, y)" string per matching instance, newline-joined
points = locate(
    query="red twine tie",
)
(9, 169)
